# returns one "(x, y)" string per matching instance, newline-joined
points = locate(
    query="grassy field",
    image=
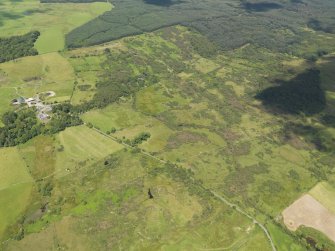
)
(15, 187)
(52, 20)
(324, 193)
(81, 146)
(13, 202)
(13, 168)
(87, 69)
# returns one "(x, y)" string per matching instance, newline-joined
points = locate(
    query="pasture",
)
(87, 68)
(78, 147)
(30, 75)
(15, 187)
(13, 168)
(52, 20)
(13, 202)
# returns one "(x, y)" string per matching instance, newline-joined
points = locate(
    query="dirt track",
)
(309, 212)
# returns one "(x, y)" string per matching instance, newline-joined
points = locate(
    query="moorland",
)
(176, 125)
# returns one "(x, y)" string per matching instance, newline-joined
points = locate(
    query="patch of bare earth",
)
(309, 212)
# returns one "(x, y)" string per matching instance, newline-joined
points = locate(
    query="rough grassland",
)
(39, 156)
(52, 20)
(119, 116)
(113, 201)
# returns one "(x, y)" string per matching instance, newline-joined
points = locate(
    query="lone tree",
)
(150, 194)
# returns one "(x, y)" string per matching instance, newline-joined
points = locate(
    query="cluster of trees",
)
(144, 136)
(18, 46)
(19, 127)
(64, 115)
(23, 125)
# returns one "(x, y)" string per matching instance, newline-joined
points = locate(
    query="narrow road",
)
(237, 208)
(221, 198)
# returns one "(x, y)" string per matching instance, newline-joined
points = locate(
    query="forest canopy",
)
(18, 46)
(258, 22)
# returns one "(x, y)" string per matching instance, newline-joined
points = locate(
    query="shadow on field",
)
(306, 94)
(318, 136)
(261, 7)
(302, 94)
(7, 15)
(318, 26)
(164, 3)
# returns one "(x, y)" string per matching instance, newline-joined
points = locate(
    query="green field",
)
(13, 168)
(81, 146)
(15, 187)
(13, 200)
(30, 75)
(324, 193)
(52, 20)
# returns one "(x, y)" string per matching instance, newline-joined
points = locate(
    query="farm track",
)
(219, 197)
